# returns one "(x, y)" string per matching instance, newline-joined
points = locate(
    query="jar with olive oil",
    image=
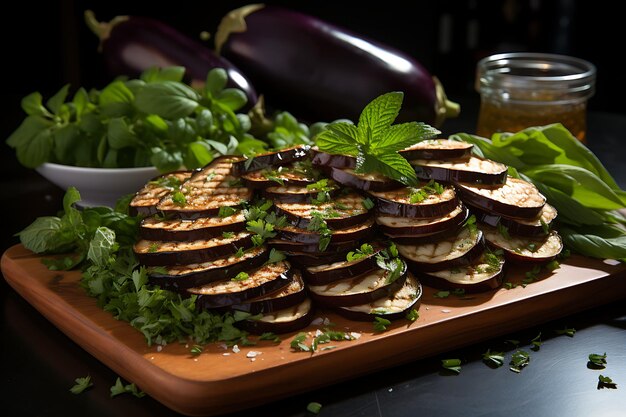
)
(522, 89)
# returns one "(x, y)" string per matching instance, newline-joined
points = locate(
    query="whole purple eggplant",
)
(132, 44)
(320, 71)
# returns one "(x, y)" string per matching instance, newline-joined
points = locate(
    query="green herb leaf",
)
(81, 384)
(196, 350)
(167, 99)
(453, 365)
(270, 336)
(339, 138)
(378, 115)
(242, 276)
(597, 361)
(380, 324)
(494, 359)
(566, 331)
(368, 204)
(441, 294)
(313, 407)
(120, 388)
(519, 360)
(298, 343)
(536, 342)
(606, 382)
(412, 315)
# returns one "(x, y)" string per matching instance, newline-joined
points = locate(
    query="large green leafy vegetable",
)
(572, 178)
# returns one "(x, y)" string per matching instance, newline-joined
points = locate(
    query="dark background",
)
(46, 45)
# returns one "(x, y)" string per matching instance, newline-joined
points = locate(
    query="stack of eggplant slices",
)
(281, 233)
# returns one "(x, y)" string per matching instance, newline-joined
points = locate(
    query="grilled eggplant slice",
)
(456, 251)
(396, 306)
(306, 259)
(426, 202)
(438, 149)
(516, 198)
(181, 277)
(427, 237)
(402, 226)
(358, 232)
(292, 294)
(285, 175)
(164, 253)
(208, 189)
(295, 194)
(329, 160)
(146, 199)
(342, 269)
(484, 274)
(535, 228)
(340, 213)
(157, 228)
(474, 170)
(364, 182)
(258, 283)
(281, 321)
(312, 249)
(360, 290)
(271, 159)
(525, 250)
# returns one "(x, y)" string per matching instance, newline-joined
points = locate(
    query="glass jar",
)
(523, 89)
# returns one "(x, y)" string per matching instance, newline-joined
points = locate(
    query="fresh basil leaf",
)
(30, 127)
(157, 74)
(582, 185)
(65, 139)
(378, 115)
(216, 81)
(33, 106)
(233, 98)
(167, 99)
(198, 155)
(37, 150)
(80, 101)
(119, 134)
(55, 102)
(165, 161)
(595, 245)
(218, 146)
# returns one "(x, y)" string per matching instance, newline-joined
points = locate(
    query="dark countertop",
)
(38, 363)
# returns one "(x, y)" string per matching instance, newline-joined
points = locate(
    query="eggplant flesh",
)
(320, 71)
(133, 44)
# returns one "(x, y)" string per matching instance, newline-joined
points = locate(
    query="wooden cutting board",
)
(220, 381)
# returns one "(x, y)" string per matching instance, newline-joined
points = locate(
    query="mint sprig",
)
(375, 142)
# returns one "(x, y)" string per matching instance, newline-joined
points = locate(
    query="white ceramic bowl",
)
(98, 186)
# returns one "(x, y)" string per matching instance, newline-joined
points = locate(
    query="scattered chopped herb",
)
(179, 198)
(242, 276)
(313, 407)
(226, 211)
(340, 206)
(210, 176)
(566, 331)
(262, 230)
(519, 360)
(239, 253)
(273, 337)
(417, 195)
(544, 226)
(470, 224)
(273, 175)
(81, 384)
(276, 256)
(228, 235)
(318, 224)
(368, 203)
(298, 343)
(196, 350)
(412, 315)
(154, 247)
(235, 183)
(597, 361)
(606, 382)
(453, 365)
(364, 251)
(495, 359)
(380, 324)
(120, 388)
(531, 276)
(441, 294)
(552, 265)
(532, 247)
(536, 342)
(504, 231)
(509, 285)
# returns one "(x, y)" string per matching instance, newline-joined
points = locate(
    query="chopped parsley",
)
(273, 337)
(314, 407)
(535, 343)
(453, 365)
(380, 324)
(242, 276)
(226, 211)
(318, 224)
(519, 360)
(228, 235)
(81, 384)
(276, 256)
(597, 361)
(196, 350)
(504, 231)
(493, 359)
(606, 382)
(120, 388)
(368, 204)
(566, 331)
(179, 198)
(412, 315)
(363, 252)
(470, 224)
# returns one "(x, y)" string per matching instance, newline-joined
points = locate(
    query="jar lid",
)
(536, 71)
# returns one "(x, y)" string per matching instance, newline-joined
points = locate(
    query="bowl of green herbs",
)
(108, 142)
